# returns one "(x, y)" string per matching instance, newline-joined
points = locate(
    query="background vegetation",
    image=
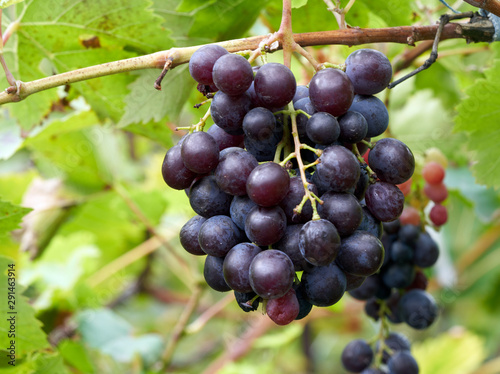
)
(106, 286)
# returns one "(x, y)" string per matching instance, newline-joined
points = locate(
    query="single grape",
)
(305, 306)
(419, 282)
(274, 85)
(392, 227)
(175, 174)
(357, 356)
(300, 93)
(284, 309)
(353, 127)
(319, 242)
(233, 170)
(200, 152)
(392, 161)
(374, 111)
(402, 363)
(232, 74)
(409, 234)
(343, 210)
(264, 149)
(268, 184)
(436, 192)
(385, 201)
(240, 207)
(237, 264)
(370, 224)
(426, 251)
(331, 91)
(418, 309)
(223, 139)
(271, 274)
(369, 71)
(401, 252)
(259, 124)
(368, 289)
(218, 235)
(410, 216)
(353, 281)
(324, 285)
(398, 275)
(202, 62)
(372, 309)
(433, 173)
(339, 168)
(228, 111)
(438, 215)
(212, 272)
(265, 225)
(322, 128)
(243, 300)
(289, 244)
(207, 199)
(360, 254)
(189, 235)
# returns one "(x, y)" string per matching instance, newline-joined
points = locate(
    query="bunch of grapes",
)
(289, 213)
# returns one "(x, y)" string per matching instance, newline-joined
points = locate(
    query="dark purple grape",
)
(393, 305)
(232, 74)
(265, 226)
(323, 128)
(207, 199)
(293, 198)
(343, 210)
(264, 149)
(305, 105)
(200, 152)
(419, 282)
(240, 207)
(385, 201)
(237, 264)
(268, 184)
(331, 91)
(339, 168)
(202, 62)
(369, 71)
(368, 289)
(233, 170)
(353, 127)
(304, 304)
(426, 251)
(409, 234)
(274, 85)
(175, 174)
(353, 281)
(392, 227)
(259, 124)
(401, 252)
(374, 371)
(289, 244)
(402, 363)
(418, 309)
(392, 161)
(300, 93)
(206, 89)
(371, 224)
(372, 308)
(243, 300)
(189, 235)
(357, 356)
(218, 235)
(374, 111)
(284, 309)
(324, 285)
(397, 342)
(212, 272)
(271, 274)
(398, 275)
(223, 139)
(319, 242)
(228, 150)
(361, 254)
(228, 111)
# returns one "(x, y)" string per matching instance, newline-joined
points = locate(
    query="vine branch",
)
(482, 31)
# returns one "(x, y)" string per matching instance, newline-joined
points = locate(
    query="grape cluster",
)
(289, 214)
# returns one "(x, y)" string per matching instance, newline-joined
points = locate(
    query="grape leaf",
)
(478, 117)
(10, 216)
(29, 335)
(6, 3)
(58, 36)
(298, 3)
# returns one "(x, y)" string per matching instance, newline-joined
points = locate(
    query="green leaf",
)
(124, 349)
(29, 336)
(76, 355)
(10, 216)
(458, 352)
(6, 3)
(393, 12)
(478, 117)
(298, 3)
(73, 34)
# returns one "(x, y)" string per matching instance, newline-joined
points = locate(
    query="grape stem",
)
(360, 158)
(198, 126)
(382, 334)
